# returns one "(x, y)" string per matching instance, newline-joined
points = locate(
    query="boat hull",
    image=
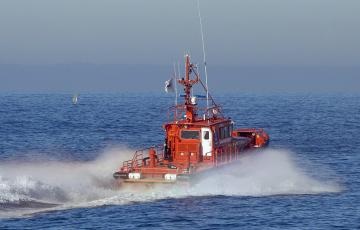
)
(173, 175)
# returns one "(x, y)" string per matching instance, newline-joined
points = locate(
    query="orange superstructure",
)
(196, 139)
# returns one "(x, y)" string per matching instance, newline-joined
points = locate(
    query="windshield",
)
(189, 134)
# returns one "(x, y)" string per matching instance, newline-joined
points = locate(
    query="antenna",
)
(178, 69)
(204, 56)
(179, 76)
(175, 82)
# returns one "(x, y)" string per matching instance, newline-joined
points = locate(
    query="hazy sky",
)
(158, 32)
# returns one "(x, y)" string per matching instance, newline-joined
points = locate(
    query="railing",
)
(140, 155)
(175, 112)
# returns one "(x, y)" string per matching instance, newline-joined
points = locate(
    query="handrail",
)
(179, 109)
(138, 157)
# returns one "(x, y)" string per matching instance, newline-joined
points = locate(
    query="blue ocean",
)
(57, 160)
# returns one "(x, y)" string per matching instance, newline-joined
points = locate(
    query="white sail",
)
(75, 99)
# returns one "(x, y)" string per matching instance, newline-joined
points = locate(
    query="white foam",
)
(79, 184)
(270, 172)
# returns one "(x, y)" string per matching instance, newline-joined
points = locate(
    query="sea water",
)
(57, 160)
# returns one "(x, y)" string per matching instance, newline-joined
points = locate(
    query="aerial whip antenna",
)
(204, 56)
(176, 93)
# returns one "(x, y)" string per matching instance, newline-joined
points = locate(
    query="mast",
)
(188, 83)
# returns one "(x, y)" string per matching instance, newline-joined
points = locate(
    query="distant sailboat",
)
(75, 99)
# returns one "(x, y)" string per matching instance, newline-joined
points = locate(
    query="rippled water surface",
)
(56, 162)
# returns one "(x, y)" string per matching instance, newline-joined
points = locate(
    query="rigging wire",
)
(204, 55)
(175, 83)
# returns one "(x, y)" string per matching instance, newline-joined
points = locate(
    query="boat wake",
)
(269, 172)
(27, 188)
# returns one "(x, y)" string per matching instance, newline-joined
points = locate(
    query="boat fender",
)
(169, 176)
(135, 176)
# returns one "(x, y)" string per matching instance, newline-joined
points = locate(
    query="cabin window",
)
(216, 135)
(206, 135)
(225, 132)
(189, 134)
(226, 128)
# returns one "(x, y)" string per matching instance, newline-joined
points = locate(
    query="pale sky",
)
(238, 33)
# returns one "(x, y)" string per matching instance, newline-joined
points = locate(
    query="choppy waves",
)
(48, 185)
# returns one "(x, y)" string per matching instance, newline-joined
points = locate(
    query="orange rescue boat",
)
(196, 140)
